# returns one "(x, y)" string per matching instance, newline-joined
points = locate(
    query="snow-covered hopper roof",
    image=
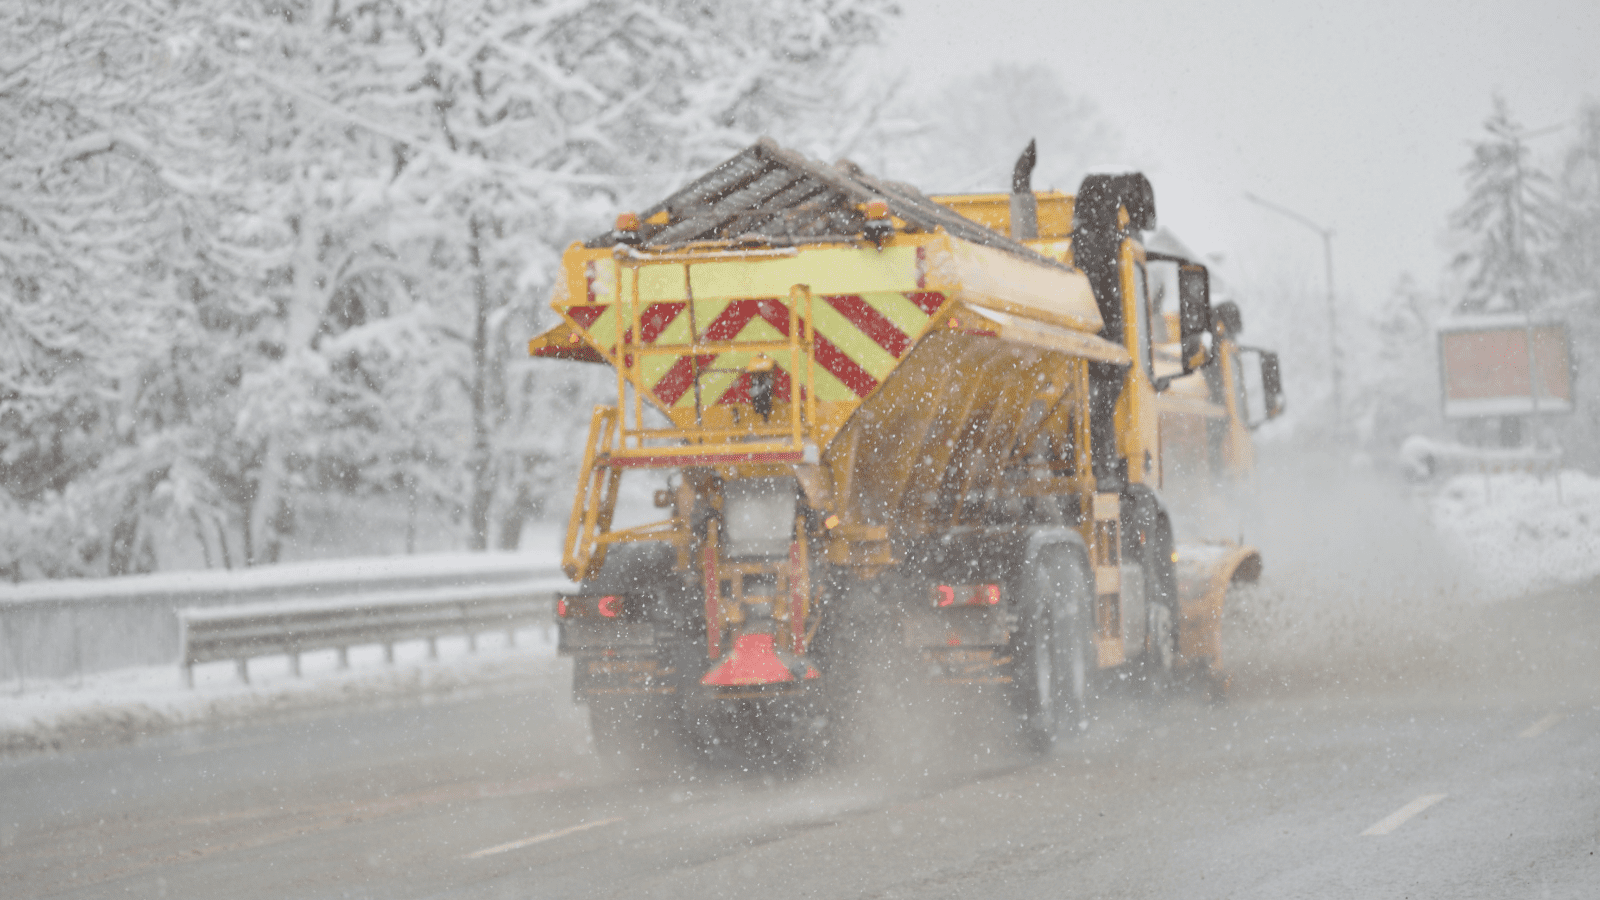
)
(767, 194)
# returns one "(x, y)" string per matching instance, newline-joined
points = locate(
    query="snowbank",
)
(126, 704)
(1517, 533)
(1423, 458)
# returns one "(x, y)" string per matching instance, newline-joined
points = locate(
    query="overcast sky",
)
(1355, 114)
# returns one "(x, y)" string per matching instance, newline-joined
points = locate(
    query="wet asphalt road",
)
(1472, 764)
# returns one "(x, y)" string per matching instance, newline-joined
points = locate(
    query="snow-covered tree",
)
(1393, 372)
(535, 123)
(318, 223)
(1576, 250)
(1575, 259)
(110, 193)
(252, 251)
(1507, 222)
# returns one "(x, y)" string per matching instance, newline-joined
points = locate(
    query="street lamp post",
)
(1333, 321)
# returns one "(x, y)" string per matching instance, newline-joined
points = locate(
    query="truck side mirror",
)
(1267, 404)
(1194, 314)
(1272, 384)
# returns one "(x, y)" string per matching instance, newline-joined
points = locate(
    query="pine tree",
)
(1508, 221)
(1576, 263)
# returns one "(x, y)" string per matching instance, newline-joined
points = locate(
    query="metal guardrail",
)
(241, 633)
(70, 628)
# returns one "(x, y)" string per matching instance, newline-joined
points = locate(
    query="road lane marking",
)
(1541, 726)
(355, 811)
(1400, 816)
(540, 838)
(313, 820)
(233, 745)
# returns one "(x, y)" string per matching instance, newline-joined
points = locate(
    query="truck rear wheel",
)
(1160, 648)
(1053, 653)
(1150, 550)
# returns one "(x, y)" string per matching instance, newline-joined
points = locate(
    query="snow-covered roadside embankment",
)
(126, 704)
(1516, 533)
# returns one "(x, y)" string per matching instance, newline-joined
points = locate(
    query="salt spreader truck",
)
(889, 437)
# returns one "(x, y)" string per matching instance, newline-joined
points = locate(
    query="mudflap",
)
(602, 675)
(644, 709)
(759, 728)
(634, 705)
(1205, 573)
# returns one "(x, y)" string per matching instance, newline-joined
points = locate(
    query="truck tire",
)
(1053, 650)
(1160, 648)
(1150, 666)
(1154, 556)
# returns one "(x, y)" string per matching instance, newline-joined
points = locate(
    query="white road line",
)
(230, 745)
(1541, 726)
(540, 838)
(1398, 817)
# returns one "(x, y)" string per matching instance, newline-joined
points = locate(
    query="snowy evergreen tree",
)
(1577, 247)
(1575, 259)
(1508, 221)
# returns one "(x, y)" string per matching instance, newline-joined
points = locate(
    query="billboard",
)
(1504, 365)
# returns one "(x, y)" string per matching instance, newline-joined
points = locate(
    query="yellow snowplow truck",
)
(888, 437)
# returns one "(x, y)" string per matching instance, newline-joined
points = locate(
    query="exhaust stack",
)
(1024, 206)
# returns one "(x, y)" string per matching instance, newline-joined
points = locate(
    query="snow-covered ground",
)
(1516, 533)
(1507, 535)
(127, 703)
(122, 704)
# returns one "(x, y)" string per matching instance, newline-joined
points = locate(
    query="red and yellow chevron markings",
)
(860, 337)
(857, 341)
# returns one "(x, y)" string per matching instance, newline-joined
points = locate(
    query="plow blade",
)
(1205, 572)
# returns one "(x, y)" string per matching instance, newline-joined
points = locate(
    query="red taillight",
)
(611, 606)
(966, 595)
